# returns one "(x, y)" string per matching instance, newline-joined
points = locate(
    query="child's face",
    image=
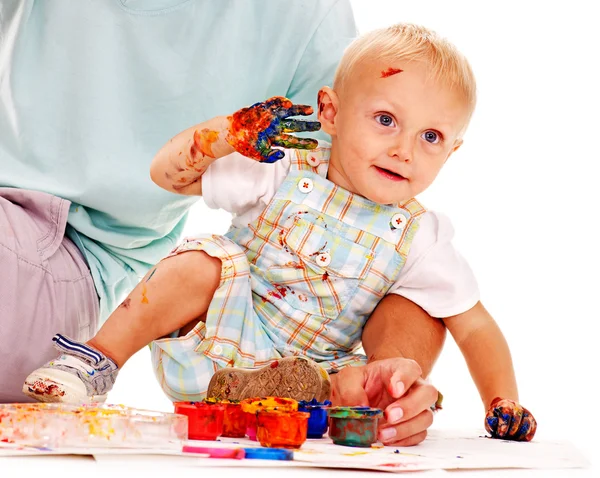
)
(391, 135)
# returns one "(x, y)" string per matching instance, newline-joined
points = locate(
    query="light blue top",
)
(90, 90)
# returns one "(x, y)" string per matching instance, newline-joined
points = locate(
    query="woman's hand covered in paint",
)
(254, 130)
(508, 420)
(394, 385)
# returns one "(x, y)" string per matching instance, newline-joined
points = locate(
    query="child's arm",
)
(487, 355)
(251, 131)
(483, 345)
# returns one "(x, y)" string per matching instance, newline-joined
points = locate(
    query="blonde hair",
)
(406, 41)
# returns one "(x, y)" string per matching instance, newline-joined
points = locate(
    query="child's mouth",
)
(389, 174)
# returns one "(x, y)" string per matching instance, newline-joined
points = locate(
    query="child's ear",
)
(458, 143)
(328, 106)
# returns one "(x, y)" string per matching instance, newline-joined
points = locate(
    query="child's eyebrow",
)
(390, 71)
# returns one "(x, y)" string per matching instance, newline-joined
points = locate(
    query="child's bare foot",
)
(291, 377)
(81, 374)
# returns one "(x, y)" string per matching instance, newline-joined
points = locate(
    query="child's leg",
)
(172, 295)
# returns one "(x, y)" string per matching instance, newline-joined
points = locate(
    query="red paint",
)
(275, 364)
(390, 71)
(48, 389)
(280, 429)
(235, 421)
(205, 421)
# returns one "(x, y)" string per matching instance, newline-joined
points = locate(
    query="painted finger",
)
(278, 105)
(289, 141)
(296, 126)
(273, 156)
(299, 110)
(503, 418)
(393, 434)
(527, 427)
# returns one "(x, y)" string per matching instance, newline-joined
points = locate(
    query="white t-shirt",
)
(435, 276)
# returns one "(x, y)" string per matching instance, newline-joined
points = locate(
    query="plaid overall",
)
(303, 278)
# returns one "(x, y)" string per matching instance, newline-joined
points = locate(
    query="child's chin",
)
(384, 199)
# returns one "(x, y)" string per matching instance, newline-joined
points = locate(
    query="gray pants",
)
(45, 286)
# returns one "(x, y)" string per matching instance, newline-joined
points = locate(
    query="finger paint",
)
(354, 426)
(233, 453)
(281, 429)
(390, 71)
(235, 421)
(253, 130)
(60, 425)
(203, 141)
(205, 421)
(508, 420)
(251, 406)
(318, 420)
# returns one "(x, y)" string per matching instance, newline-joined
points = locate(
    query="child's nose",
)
(402, 148)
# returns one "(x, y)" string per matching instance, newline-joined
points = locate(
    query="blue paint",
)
(317, 422)
(268, 454)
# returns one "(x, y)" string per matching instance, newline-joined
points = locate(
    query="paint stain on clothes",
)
(390, 72)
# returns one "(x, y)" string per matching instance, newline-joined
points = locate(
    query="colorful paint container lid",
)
(252, 405)
(355, 412)
(305, 405)
(269, 454)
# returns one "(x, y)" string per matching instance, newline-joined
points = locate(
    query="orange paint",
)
(280, 429)
(203, 141)
(251, 406)
(144, 291)
(235, 421)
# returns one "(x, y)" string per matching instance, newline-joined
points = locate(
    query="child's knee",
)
(197, 268)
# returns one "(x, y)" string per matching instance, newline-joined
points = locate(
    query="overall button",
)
(324, 259)
(218, 350)
(305, 185)
(313, 160)
(398, 221)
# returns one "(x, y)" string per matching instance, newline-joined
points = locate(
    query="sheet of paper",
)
(443, 449)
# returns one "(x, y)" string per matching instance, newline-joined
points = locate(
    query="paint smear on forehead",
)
(390, 71)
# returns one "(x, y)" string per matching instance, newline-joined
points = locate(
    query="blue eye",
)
(431, 137)
(385, 120)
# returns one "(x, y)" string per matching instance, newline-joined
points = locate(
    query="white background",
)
(523, 196)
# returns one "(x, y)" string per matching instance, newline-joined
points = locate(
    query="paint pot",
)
(317, 422)
(253, 405)
(235, 420)
(205, 420)
(280, 429)
(354, 426)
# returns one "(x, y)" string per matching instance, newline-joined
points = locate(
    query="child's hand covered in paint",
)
(254, 130)
(508, 420)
